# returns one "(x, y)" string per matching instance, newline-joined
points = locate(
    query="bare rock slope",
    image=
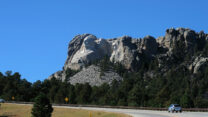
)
(93, 76)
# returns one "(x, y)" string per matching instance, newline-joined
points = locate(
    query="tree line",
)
(134, 90)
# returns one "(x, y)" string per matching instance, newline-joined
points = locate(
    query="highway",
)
(139, 113)
(143, 113)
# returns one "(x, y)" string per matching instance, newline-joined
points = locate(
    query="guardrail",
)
(118, 107)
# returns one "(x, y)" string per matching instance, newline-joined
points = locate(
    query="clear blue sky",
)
(34, 34)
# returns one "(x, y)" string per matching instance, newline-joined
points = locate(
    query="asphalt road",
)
(145, 113)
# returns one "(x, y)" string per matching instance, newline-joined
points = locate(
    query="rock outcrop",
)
(198, 64)
(131, 53)
(172, 36)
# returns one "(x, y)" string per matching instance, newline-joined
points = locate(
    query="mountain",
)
(179, 49)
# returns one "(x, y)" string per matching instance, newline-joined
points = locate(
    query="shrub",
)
(42, 106)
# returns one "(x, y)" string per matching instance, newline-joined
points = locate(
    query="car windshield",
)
(177, 105)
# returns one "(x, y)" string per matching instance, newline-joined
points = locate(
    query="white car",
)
(174, 108)
(2, 100)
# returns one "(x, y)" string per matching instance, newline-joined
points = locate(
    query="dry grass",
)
(15, 110)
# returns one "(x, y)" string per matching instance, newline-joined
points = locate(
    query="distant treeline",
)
(135, 89)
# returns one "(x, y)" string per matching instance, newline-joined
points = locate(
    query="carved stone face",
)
(88, 47)
(117, 53)
(90, 42)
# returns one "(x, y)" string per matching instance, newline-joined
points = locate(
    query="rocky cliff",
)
(178, 47)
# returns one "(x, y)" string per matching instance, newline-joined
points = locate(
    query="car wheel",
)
(172, 111)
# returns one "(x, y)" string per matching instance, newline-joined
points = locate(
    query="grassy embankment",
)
(14, 110)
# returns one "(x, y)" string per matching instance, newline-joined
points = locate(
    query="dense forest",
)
(134, 90)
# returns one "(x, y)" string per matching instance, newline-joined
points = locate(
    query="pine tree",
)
(42, 106)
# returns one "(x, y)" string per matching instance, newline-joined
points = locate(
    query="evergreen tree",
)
(72, 95)
(186, 101)
(42, 106)
(135, 96)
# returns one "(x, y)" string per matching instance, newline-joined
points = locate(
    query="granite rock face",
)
(86, 48)
(57, 75)
(198, 64)
(172, 36)
(131, 53)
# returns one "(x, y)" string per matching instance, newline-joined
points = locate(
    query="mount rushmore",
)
(174, 48)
